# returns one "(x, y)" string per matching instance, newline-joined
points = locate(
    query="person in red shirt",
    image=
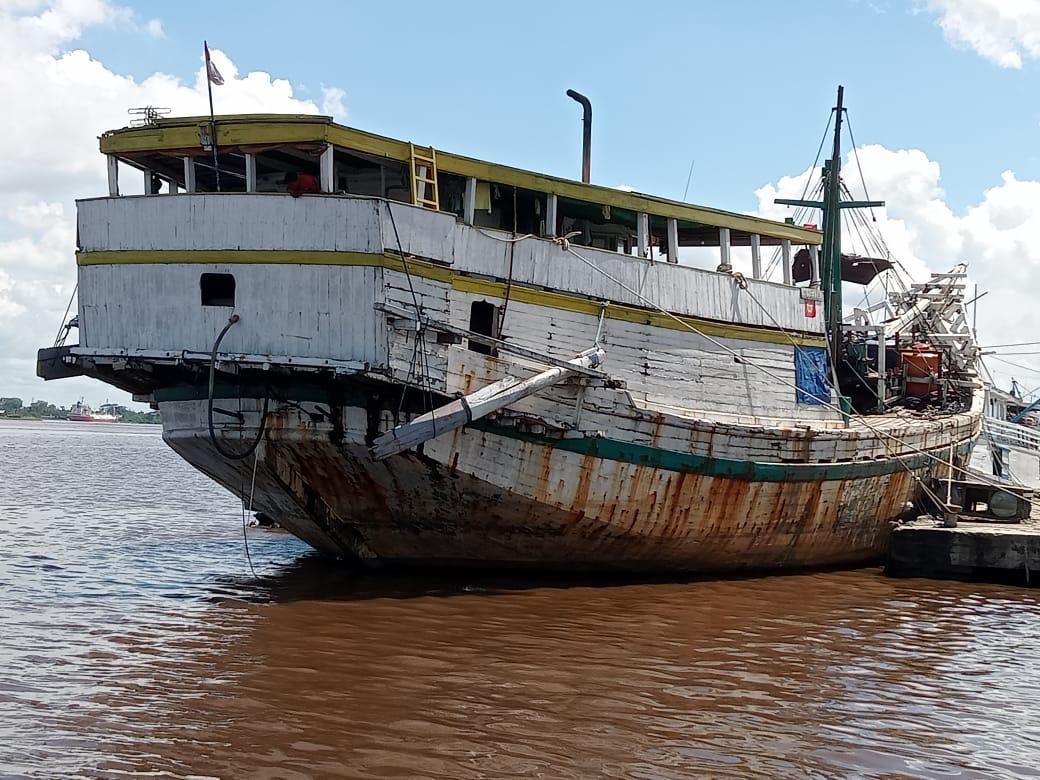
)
(296, 184)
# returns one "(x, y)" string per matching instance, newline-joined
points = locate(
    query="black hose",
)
(230, 455)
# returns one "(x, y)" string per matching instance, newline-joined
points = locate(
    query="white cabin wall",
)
(425, 363)
(231, 221)
(661, 367)
(208, 221)
(327, 310)
(675, 288)
(286, 310)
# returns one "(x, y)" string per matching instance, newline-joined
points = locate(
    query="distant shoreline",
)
(31, 418)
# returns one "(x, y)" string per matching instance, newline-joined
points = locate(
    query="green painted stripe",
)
(752, 471)
(611, 449)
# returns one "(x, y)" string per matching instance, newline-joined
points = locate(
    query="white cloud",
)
(1005, 32)
(997, 237)
(332, 102)
(63, 98)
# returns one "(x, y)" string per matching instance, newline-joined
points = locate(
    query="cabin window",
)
(452, 192)
(483, 319)
(358, 173)
(509, 208)
(232, 171)
(217, 289)
(599, 226)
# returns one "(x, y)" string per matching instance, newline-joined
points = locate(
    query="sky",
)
(942, 98)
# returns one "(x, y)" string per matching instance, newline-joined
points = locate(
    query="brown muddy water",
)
(135, 641)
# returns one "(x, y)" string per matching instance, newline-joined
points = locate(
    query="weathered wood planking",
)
(264, 222)
(308, 311)
(506, 498)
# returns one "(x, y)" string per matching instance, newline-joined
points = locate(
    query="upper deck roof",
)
(256, 132)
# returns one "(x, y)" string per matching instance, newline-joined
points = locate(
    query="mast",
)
(830, 252)
(830, 271)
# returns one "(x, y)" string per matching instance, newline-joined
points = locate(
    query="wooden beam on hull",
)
(483, 402)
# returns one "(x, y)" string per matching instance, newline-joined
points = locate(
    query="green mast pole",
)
(830, 274)
(830, 251)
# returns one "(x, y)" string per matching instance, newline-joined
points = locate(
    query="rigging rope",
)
(420, 334)
(855, 151)
(799, 217)
(245, 536)
(65, 317)
(741, 359)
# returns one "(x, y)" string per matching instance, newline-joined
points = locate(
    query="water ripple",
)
(133, 640)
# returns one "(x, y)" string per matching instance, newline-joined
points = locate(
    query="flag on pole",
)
(211, 70)
(212, 77)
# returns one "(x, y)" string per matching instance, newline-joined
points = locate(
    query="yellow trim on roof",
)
(563, 301)
(264, 129)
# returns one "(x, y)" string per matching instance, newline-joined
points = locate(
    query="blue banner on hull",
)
(810, 375)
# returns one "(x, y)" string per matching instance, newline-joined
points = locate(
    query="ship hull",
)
(570, 505)
(704, 437)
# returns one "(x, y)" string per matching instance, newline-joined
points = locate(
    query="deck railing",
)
(1007, 434)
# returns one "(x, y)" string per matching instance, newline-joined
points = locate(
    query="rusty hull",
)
(479, 498)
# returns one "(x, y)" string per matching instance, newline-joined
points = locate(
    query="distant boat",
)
(80, 412)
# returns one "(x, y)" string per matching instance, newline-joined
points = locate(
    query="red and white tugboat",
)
(80, 412)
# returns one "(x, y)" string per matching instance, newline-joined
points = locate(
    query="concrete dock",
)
(974, 550)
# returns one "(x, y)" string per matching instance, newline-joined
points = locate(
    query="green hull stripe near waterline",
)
(654, 457)
(751, 471)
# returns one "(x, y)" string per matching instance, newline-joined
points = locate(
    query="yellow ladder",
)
(423, 166)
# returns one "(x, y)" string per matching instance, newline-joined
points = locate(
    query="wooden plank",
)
(474, 406)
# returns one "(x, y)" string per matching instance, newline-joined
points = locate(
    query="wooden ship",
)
(407, 356)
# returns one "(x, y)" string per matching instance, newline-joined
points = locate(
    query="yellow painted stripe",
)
(182, 134)
(616, 311)
(393, 262)
(461, 282)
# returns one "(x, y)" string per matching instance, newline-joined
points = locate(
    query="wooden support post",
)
(814, 257)
(673, 241)
(725, 266)
(113, 175)
(643, 232)
(785, 249)
(327, 182)
(172, 187)
(756, 255)
(469, 201)
(152, 185)
(189, 174)
(250, 173)
(551, 210)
